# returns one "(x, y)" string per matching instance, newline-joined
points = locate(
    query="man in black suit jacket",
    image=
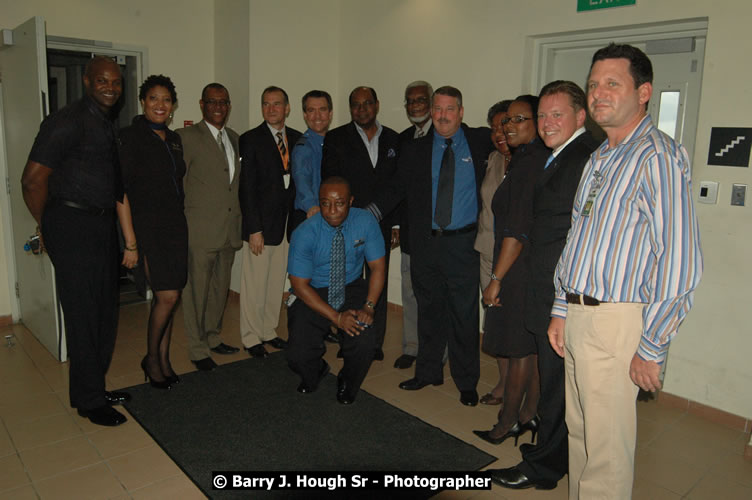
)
(365, 153)
(418, 109)
(561, 119)
(444, 264)
(267, 193)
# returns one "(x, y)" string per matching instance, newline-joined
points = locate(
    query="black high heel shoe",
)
(173, 379)
(515, 431)
(164, 384)
(532, 426)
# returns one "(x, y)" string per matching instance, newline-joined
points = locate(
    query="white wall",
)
(480, 47)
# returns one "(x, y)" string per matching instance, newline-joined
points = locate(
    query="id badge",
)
(595, 187)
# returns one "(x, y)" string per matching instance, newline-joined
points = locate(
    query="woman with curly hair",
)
(151, 216)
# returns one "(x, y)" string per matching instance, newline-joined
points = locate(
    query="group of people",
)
(586, 256)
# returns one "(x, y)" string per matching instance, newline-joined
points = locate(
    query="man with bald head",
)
(70, 185)
(365, 153)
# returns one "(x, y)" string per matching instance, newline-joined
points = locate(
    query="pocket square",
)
(391, 153)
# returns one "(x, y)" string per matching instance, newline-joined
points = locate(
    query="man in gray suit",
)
(212, 210)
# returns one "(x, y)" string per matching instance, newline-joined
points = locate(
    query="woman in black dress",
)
(506, 334)
(151, 216)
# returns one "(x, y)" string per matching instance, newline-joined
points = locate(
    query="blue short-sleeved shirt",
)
(311, 247)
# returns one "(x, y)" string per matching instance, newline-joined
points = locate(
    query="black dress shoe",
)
(304, 388)
(343, 393)
(277, 343)
(469, 398)
(205, 365)
(104, 415)
(224, 349)
(414, 384)
(514, 479)
(331, 338)
(405, 361)
(257, 351)
(116, 397)
(378, 355)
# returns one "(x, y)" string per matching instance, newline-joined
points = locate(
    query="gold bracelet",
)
(133, 249)
(339, 318)
(370, 305)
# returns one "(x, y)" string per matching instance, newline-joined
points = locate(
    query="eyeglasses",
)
(420, 100)
(364, 104)
(217, 102)
(515, 119)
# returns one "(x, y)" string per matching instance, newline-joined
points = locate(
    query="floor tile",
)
(95, 482)
(143, 467)
(30, 434)
(12, 473)
(63, 456)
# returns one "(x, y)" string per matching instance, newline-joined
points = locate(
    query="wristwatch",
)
(370, 305)
(493, 277)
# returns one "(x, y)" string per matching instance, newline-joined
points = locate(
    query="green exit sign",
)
(583, 5)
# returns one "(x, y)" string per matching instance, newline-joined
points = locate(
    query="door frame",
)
(541, 48)
(141, 53)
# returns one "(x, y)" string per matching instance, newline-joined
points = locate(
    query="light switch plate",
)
(738, 194)
(708, 192)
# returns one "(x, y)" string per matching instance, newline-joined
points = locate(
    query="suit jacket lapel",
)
(355, 138)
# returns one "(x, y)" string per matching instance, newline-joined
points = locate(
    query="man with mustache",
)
(418, 109)
(365, 153)
(627, 274)
(440, 176)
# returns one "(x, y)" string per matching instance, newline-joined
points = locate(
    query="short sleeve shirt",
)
(311, 247)
(78, 144)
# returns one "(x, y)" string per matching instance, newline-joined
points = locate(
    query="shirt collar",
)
(274, 131)
(576, 134)
(214, 130)
(363, 132)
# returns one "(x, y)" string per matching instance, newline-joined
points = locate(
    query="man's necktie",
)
(420, 133)
(282, 149)
(337, 270)
(548, 162)
(221, 144)
(445, 191)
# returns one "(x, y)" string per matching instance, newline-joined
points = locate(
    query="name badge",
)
(595, 187)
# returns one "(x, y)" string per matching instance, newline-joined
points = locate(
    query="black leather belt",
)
(574, 298)
(452, 232)
(84, 208)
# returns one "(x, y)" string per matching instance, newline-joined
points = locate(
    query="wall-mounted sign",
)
(730, 146)
(187, 123)
(583, 5)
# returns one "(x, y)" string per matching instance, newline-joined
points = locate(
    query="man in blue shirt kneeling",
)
(325, 266)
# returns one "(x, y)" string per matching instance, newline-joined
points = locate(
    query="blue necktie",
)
(337, 270)
(548, 162)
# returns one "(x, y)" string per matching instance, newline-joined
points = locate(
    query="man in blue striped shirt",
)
(625, 279)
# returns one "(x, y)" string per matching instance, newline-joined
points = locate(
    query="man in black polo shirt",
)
(70, 185)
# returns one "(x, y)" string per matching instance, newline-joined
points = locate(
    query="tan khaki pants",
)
(600, 342)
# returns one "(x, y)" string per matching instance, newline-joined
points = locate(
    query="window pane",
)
(668, 113)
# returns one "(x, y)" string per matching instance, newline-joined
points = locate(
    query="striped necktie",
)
(282, 149)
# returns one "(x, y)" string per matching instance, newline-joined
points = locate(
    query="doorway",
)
(676, 49)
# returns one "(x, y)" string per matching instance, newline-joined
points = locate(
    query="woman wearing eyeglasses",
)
(505, 332)
(152, 219)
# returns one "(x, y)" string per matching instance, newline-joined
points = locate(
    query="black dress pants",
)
(306, 332)
(548, 458)
(444, 272)
(83, 249)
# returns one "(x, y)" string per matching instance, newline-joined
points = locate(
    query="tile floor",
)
(48, 451)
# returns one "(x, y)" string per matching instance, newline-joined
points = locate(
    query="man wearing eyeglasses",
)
(440, 175)
(418, 109)
(365, 153)
(210, 150)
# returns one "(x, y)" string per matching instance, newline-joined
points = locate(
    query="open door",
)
(23, 66)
